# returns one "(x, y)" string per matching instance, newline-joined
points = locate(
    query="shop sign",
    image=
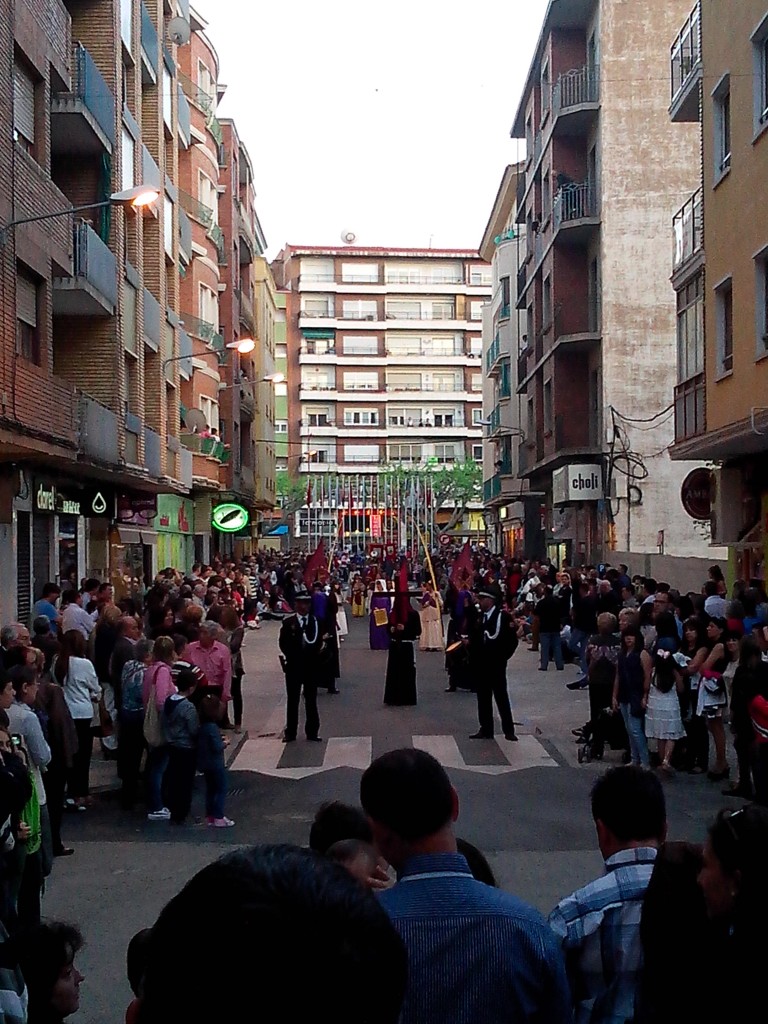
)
(582, 482)
(136, 510)
(92, 503)
(695, 493)
(174, 514)
(230, 517)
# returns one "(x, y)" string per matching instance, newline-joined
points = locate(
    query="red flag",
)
(402, 607)
(315, 563)
(462, 567)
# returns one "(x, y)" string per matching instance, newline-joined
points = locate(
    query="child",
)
(360, 859)
(210, 761)
(181, 725)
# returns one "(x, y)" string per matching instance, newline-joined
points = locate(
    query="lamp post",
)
(271, 378)
(243, 346)
(136, 198)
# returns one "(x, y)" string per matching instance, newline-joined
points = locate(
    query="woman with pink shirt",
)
(158, 675)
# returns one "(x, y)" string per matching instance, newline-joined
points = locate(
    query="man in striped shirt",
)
(476, 955)
(599, 925)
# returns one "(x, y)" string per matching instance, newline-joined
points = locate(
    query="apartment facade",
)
(719, 74)
(512, 514)
(384, 361)
(604, 175)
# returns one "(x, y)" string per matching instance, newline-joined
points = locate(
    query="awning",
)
(279, 531)
(318, 333)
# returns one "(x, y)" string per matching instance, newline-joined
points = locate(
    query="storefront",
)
(175, 537)
(133, 545)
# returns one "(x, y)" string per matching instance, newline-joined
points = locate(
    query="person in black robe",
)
(404, 632)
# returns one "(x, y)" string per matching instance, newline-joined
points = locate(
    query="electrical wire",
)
(650, 419)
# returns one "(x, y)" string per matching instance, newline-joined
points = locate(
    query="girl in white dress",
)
(663, 721)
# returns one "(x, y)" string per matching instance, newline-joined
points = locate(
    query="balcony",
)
(185, 235)
(184, 467)
(420, 278)
(575, 101)
(316, 314)
(97, 431)
(245, 305)
(247, 401)
(153, 319)
(204, 330)
(197, 211)
(248, 247)
(185, 122)
(150, 171)
(150, 48)
(688, 232)
(92, 288)
(445, 388)
(492, 355)
(690, 408)
(686, 70)
(185, 351)
(216, 235)
(153, 452)
(574, 212)
(195, 94)
(83, 120)
(424, 314)
(491, 489)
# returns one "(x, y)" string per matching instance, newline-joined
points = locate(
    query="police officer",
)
(492, 642)
(301, 643)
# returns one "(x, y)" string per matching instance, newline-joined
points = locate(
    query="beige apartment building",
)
(719, 72)
(605, 172)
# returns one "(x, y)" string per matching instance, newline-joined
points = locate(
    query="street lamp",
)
(271, 378)
(243, 345)
(137, 198)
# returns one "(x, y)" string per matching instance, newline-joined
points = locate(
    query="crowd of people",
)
(159, 686)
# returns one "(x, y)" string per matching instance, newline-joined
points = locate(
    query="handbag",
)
(380, 616)
(153, 728)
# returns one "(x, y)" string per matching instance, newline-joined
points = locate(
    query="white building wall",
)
(648, 168)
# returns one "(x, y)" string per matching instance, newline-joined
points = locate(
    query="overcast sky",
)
(390, 120)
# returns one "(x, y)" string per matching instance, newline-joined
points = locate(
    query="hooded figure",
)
(404, 631)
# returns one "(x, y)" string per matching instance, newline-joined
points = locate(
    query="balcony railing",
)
(505, 384)
(185, 233)
(687, 230)
(202, 329)
(574, 202)
(491, 488)
(690, 408)
(94, 262)
(149, 40)
(214, 127)
(318, 314)
(185, 125)
(424, 314)
(197, 211)
(575, 88)
(152, 317)
(418, 277)
(195, 94)
(420, 386)
(98, 436)
(425, 351)
(686, 53)
(153, 452)
(494, 420)
(216, 235)
(89, 85)
(492, 354)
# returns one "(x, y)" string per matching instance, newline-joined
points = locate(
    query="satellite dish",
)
(179, 31)
(348, 237)
(194, 420)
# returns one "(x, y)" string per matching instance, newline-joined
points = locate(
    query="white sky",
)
(391, 120)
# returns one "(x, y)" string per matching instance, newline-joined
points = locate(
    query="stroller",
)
(604, 726)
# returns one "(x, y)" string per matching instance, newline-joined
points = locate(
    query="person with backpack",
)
(130, 744)
(157, 688)
(181, 725)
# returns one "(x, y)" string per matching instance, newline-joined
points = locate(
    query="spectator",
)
(715, 605)
(46, 955)
(210, 761)
(214, 660)
(599, 925)
(359, 858)
(158, 684)
(469, 945)
(62, 739)
(549, 611)
(181, 725)
(76, 617)
(335, 821)
(130, 744)
(77, 676)
(12, 637)
(46, 606)
(45, 641)
(353, 965)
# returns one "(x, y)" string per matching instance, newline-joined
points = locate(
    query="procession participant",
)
(404, 631)
(341, 616)
(358, 598)
(379, 617)
(492, 643)
(329, 627)
(301, 643)
(460, 624)
(431, 624)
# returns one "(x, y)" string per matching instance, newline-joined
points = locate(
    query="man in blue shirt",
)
(476, 955)
(47, 604)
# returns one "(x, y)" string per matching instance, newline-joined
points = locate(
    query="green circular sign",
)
(230, 518)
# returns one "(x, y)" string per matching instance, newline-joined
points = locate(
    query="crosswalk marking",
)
(263, 755)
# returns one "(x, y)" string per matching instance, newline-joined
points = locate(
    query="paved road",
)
(525, 804)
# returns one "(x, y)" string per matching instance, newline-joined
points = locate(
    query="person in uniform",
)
(301, 643)
(492, 642)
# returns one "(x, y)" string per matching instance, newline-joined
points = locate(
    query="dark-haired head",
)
(476, 859)
(694, 635)
(629, 809)
(46, 955)
(255, 904)
(634, 633)
(336, 821)
(733, 876)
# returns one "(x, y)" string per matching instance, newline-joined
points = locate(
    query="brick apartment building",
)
(94, 475)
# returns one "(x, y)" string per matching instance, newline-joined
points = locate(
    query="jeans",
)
(215, 791)
(157, 762)
(130, 747)
(180, 780)
(638, 745)
(81, 760)
(551, 648)
(579, 646)
(237, 698)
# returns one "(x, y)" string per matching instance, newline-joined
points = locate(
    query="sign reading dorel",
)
(229, 517)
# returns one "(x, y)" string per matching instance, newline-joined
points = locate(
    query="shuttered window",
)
(23, 106)
(27, 335)
(129, 318)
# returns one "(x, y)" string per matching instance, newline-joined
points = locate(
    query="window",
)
(128, 176)
(397, 381)
(129, 318)
(528, 138)
(761, 293)
(23, 107)
(361, 417)
(210, 408)
(445, 452)
(480, 276)
(27, 303)
(368, 453)
(206, 85)
(317, 270)
(446, 382)
(477, 417)
(360, 273)
(476, 382)
(318, 346)
(317, 306)
(546, 304)
(208, 196)
(318, 378)
(281, 426)
(168, 226)
(405, 453)
(477, 452)
(321, 455)
(444, 418)
(504, 285)
(546, 198)
(476, 347)
(361, 381)
(724, 309)
(318, 417)
(363, 346)
(546, 90)
(531, 419)
(359, 309)
(281, 390)
(548, 413)
(760, 61)
(416, 309)
(690, 331)
(423, 273)
(209, 306)
(126, 23)
(167, 100)
(476, 310)
(722, 121)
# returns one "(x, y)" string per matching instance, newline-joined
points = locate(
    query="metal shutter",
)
(41, 551)
(23, 574)
(23, 103)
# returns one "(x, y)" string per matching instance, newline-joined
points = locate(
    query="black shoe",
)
(542, 669)
(65, 851)
(314, 739)
(288, 739)
(578, 684)
(334, 690)
(510, 736)
(480, 735)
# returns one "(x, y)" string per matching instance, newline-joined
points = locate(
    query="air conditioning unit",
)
(726, 506)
